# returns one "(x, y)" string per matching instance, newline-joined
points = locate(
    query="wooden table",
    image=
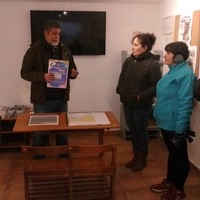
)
(21, 125)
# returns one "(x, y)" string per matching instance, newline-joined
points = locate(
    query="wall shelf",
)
(8, 139)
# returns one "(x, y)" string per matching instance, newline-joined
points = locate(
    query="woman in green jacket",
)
(172, 112)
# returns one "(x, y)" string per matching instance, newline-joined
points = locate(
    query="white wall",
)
(184, 7)
(94, 89)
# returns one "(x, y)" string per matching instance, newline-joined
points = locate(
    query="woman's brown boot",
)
(140, 164)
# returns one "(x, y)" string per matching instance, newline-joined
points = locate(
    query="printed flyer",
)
(60, 70)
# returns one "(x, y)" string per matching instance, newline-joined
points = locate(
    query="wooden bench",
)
(70, 172)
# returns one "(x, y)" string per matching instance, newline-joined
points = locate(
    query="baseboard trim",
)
(193, 166)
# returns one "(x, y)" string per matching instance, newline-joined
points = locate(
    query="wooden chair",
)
(47, 177)
(93, 171)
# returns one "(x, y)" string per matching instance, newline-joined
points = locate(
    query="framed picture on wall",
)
(185, 28)
(168, 25)
(192, 59)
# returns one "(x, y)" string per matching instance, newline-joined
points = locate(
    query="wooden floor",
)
(130, 185)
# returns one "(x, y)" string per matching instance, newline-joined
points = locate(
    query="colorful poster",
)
(192, 58)
(185, 28)
(60, 70)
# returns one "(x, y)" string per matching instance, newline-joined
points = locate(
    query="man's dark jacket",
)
(33, 71)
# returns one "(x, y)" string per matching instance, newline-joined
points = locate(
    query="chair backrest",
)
(93, 170)
(93, 149)
(47, 173)
(93, 158)
(49, 152)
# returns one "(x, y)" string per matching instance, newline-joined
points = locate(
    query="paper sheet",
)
(88, 118)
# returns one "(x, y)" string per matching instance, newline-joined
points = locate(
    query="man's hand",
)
(74, 73)
(49, 77)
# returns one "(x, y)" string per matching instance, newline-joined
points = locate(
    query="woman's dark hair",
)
(178, 48)
(146, 39)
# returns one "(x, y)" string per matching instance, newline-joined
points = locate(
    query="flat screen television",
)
(84, 32)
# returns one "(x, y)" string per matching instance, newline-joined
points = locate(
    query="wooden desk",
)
(21, 125)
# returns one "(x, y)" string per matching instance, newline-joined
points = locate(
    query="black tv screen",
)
(83, 32)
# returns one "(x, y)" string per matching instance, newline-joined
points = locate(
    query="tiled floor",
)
(130, 185)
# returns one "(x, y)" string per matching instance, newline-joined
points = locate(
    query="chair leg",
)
(70, 188)
(26, 188)
(112, 186)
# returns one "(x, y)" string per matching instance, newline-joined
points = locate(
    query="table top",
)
(21, 124)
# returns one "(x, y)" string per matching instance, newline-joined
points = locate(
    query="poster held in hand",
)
(60, 70)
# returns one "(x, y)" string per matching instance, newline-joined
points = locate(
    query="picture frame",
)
(168, 25)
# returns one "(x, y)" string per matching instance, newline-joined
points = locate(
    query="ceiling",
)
(113, 1)
(90, 1)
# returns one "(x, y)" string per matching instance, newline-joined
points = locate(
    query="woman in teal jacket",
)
(172, 112)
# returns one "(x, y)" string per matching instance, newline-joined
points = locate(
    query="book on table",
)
(60, 70)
